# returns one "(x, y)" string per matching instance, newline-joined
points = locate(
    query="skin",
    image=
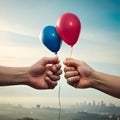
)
(44, 74)
(80, 75)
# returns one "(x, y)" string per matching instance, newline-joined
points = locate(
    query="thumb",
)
(71, 62)
(49, 60)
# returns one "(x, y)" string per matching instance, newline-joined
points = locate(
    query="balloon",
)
(51, 39)
(68, 28)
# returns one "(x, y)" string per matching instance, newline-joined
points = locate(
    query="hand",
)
(78, 73)
(45, 73)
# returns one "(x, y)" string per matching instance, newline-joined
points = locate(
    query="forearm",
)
(106, 83)
(13, 75)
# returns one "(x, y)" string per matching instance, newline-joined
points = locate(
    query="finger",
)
(54, 77)
(55, 68)
(69, 58)
(51, 83)
(59, 72)
(58, 66)
(49, 73)
(72, 62)
(50, 60)
(71, 74)
(69, 69)
(73, 81)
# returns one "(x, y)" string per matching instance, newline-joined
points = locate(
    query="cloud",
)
(17, 28)
(22, 56)
(18, 39)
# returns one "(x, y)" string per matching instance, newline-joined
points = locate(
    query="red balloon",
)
(68, 28)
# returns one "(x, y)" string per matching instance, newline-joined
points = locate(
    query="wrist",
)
(94, 80)
(22, 76)
(13, 75)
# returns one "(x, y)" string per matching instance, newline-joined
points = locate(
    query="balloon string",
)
(56, 54)
(71, 52)
(59, 93)
(59, 97)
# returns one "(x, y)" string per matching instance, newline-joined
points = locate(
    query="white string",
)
(71, 52)
(59, 97)
(59, 100)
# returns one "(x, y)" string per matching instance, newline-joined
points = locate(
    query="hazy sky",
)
(99, 44)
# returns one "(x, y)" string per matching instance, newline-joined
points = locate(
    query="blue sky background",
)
(99, 44)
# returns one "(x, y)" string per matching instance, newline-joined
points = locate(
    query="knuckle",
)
(65, 69)
(59, 72)
(58, 78)
(65, 75)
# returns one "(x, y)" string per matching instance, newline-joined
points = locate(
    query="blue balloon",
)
(51, 39)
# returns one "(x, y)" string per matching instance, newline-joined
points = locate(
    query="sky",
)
(98, 45)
